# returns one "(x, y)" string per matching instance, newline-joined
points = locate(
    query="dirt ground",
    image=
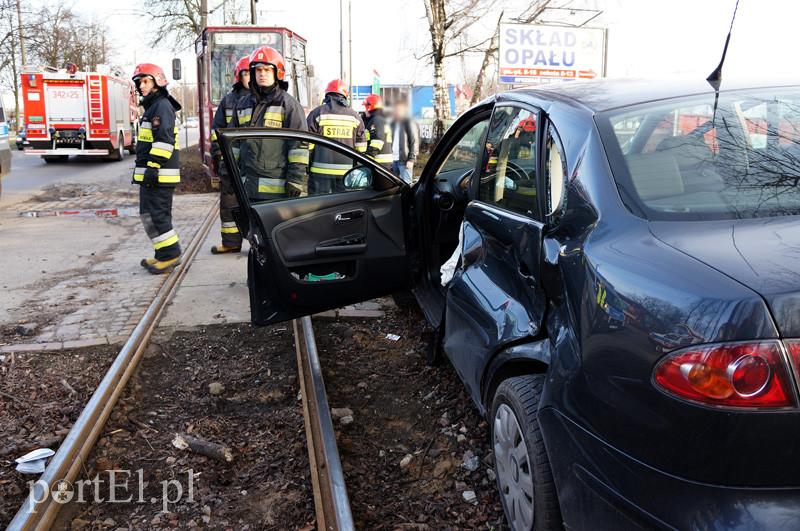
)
(194, 179)
(41, 395)
(414, 449)
(416, 444)
(233, 386)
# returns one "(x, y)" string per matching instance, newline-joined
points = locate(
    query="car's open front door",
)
(326, 225)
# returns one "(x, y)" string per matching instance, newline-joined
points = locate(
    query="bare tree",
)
(488, 54)
(529, 15)
(176, 21)
(69, 39)
(448, 22)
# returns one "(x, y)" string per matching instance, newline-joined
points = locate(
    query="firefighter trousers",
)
(155, 211)
(231, 237)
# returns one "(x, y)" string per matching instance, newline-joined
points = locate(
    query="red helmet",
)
(242, 64)
(267, 55)
(372, 102)
(528, 125)
(149, 69)
(337, 86)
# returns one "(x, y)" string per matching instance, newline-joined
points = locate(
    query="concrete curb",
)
(62, 345)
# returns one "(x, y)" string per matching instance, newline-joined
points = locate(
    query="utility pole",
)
(185, 103)
(350, 47)
(341, 40)
(203, 14)
(253, 14)
(21, 36)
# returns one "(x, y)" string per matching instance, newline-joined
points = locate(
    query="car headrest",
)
(655, 175)
(688, 150)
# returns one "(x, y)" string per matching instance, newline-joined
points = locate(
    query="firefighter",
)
(157, 170)
(270, 168)
(231, 238)
(379, 134)
(333, 119)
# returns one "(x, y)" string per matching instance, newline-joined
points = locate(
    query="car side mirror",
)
(510, 184)
(359, 178)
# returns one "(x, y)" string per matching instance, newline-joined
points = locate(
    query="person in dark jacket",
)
(271, 169)
(231, 238)
(157, 170)
(405, 142)
(379, 134)
(336, 120)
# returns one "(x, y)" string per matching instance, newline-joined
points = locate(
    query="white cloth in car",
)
(448, 269)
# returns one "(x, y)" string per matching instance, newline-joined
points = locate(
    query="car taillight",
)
(793, 346)
(735, 375)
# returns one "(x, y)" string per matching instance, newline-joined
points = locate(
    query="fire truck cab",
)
(218, 49)
(78, 113)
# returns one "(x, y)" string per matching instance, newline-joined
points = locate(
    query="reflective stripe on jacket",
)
(268, 165)
(379, 138)
(334, 119)
(157, 142)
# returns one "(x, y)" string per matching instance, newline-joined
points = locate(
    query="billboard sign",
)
(530, 53)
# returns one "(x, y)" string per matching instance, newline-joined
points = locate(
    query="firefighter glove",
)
(295, 190)
(150, 177)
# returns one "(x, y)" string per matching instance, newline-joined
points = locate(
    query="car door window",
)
(465, 154)
(508, 174)
(281, 168)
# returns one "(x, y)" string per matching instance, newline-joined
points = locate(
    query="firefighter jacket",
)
(379, 138)
(335, 120)
(224, 115)
(271, 168)
(157, 142)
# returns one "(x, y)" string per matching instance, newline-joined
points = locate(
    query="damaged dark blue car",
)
(613, 268)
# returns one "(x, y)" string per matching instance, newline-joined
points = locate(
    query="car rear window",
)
(700, 157)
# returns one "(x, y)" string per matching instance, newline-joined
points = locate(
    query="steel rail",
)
(331, 503)
(40, 507)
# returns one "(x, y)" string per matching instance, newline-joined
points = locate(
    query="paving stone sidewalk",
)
(105, 292)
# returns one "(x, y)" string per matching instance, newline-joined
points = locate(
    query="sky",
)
(646, 38)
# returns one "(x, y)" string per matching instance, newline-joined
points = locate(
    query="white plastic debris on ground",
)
(392, 337)
(448, 268)
(34, 461)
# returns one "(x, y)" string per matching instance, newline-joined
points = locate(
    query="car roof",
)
(606, 94)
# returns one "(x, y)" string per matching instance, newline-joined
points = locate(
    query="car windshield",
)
(227, 48)
(700, 158)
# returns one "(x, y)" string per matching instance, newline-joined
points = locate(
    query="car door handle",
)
(350, 215)
(337, 250)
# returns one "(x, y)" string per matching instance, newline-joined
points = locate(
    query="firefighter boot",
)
(161, 267)
(223, 249)
(146, 262)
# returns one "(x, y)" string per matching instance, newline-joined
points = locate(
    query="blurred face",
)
(146, 85)
(400, 111)
(244, 77)
(265, 75)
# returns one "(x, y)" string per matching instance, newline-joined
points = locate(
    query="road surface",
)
(29, 174)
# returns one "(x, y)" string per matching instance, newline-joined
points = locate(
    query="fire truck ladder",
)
(96, 111)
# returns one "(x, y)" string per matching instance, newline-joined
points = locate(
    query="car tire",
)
(524, 479)
(118, 153)
(132, 147)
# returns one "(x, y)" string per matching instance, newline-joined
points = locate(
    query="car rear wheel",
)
(524, 478)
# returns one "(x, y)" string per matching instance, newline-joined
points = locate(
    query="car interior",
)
(507, 166)
(718, 165)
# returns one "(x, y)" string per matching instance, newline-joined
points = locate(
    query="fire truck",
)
(78, 113)
(218, 49)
